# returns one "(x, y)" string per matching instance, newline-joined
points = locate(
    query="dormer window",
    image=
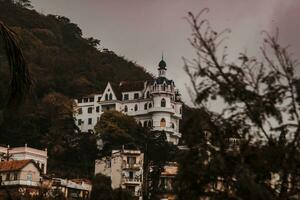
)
(136, 95)
(145, 106)
(106, 97)
(110, 96)
(125, 97)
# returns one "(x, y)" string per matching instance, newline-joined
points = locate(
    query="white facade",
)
(26, 153)
(125, 168)
(155, 104)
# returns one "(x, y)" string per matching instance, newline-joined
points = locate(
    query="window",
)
(85, 100)
(125, 97)
(130, 175)
(90, 109)
(163, 102)
(15, 176)
(145, 106)
(110, 96)
(99, 99)
(106, 97)
(79, 100)
(148, 95)
(162, 123)
(180, 110)
(29, 177)
(172, 125)
(90, 121)
(125, 109)
(43, 167)
(79, 111)
(80, 122)
(97, 109)
(8, 176)
(164, 87)
(149, 124)
(131, 160)
(91, 99)
(145, 123)
(135, 107)
(150, 105)
(136, 95)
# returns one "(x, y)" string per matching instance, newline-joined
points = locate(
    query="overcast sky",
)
(141, 30)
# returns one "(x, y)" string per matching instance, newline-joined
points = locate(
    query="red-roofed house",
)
(19, 177)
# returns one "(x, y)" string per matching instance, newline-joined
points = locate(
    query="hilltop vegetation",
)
(63, 65)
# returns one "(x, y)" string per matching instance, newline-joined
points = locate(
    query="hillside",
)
(63, 65)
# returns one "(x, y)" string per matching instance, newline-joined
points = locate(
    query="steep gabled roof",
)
(128, 86)
(116, 90)
(14, 165)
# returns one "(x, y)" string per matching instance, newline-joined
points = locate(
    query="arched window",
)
(172, 125)
(145, 123)
(125, 109)
(150, 105)
(163, 102)
(164, 87)
(110, 96)
(140, 123)
(135, 107)
(162, 123)
(150, 123)
(106, 97)
(148, 95)
(145, 106)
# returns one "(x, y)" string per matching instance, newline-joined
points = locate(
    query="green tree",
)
(246, 149)
(101, 189)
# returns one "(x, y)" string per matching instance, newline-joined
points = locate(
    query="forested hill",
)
(63, 65)
(59, 58)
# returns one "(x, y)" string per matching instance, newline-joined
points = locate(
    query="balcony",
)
(132, 181)
(135, 166)
(161, 109)
(21, 182)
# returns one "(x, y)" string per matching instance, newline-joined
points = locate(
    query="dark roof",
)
(14, 165)
(161, 80)
(127, 86)
(162, 64)
(116, 90)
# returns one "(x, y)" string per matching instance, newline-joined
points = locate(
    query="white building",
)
(26, 153)
(125, 168)
(155, 103)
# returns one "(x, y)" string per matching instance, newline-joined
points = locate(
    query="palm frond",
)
(20, 78)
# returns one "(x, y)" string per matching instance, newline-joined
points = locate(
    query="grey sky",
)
(141, 29)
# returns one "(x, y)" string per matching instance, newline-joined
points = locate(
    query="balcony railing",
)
(132, 180)
(131, 166)
(21, 182)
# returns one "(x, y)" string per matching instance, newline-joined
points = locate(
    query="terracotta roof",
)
(170, 171)
(81, 180)
(14, 165)
(127, 86)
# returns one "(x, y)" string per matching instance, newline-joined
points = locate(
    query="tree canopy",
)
(245, 151)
